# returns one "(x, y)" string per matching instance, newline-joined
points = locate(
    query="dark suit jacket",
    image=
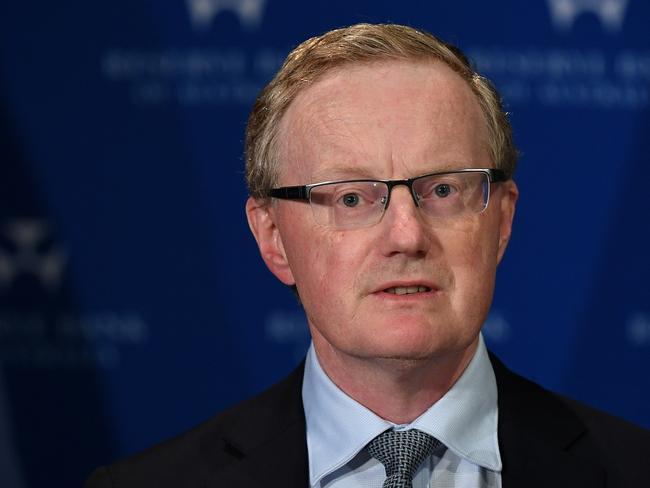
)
(545, 441)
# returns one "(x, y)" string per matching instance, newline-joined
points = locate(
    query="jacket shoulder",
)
(537, 423)
(629, 442)
(193, 457)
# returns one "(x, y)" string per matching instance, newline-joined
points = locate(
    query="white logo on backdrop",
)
(288, 328)
(29, 255)
(638, 329)
(588, 76)
(496, 328)
(197, 75)
(202, 12)
(610, 12)
(36, 337)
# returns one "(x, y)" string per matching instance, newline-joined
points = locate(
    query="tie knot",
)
(401, 453)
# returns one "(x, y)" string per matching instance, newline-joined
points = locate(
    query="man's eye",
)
(443, 190)
(351, 199)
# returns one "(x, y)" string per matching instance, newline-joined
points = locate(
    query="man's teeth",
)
(405, 290)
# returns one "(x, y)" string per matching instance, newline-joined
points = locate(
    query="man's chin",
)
(404, 352)
(418, 346)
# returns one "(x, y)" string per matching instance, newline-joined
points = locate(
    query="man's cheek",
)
(476, 246)
(465, 253)
(339, 253)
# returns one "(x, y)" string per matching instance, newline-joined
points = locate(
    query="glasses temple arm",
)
(497, 175)
(290, 193)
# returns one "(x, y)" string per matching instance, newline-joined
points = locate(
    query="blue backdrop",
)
(133, 302)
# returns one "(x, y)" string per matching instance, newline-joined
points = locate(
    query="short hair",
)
(360, 43)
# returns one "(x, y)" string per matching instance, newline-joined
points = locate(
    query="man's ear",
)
(508, 202)
(261, 220)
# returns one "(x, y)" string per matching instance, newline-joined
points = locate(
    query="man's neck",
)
(397, 390)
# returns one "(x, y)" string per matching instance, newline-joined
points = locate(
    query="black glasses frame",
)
(303, 192)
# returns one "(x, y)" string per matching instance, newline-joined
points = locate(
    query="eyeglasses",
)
(361, 203)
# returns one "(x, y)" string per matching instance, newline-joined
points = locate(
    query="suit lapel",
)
(281, 463)
(538, 435)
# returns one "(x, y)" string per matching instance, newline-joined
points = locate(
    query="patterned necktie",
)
(401, 453)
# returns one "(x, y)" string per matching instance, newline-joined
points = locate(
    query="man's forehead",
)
(341, 123)
(348, 83)
(323, 103)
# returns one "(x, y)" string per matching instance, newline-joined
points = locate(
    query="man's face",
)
(389, 120)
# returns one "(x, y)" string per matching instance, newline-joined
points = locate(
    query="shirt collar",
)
(464, 419)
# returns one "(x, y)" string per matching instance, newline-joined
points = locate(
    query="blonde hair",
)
(360, 43)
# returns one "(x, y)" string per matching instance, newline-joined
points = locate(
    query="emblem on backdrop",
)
(610, 13)
(27, 248)
(638, 329)
(197, 75)
(203, 12)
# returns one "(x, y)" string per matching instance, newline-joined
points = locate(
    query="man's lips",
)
(406, 288)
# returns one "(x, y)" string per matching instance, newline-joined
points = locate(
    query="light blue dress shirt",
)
(464, 420)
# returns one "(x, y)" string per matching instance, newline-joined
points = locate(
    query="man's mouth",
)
(407, 290)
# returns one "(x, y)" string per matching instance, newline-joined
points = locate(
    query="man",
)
(379, 166)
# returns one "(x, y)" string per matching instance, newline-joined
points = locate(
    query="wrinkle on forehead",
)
(317, 127)
(348, 119)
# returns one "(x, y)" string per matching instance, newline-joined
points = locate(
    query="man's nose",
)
(406, 232)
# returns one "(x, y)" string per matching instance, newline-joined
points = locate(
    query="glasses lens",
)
(452, 194)
(349, 204)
